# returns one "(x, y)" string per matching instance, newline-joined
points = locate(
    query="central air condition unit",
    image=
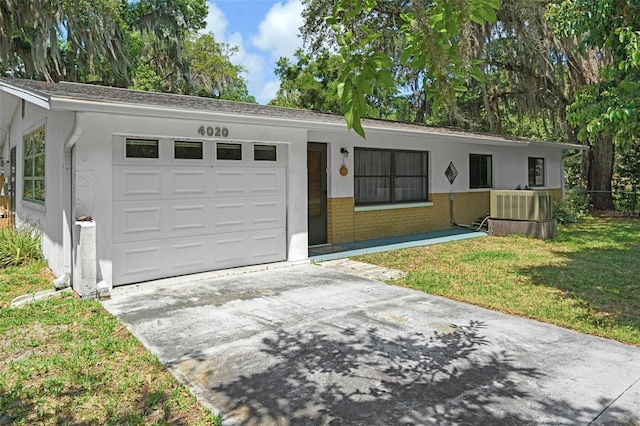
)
(521, 205)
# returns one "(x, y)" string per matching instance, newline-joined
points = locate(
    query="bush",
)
(19, 246)
(575, 206)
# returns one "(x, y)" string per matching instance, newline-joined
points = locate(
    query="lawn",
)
(587, 279)
(67, 361)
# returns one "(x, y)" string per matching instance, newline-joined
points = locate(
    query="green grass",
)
(586, 279)
(67, 361)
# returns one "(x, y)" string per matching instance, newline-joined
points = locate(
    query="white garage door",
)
(184, 206)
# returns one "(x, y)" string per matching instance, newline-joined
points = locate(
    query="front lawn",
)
(67, 361)
(586, 279)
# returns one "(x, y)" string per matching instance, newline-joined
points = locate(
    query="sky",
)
(263, 31)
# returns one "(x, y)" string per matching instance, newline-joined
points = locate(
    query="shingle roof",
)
(94, 93)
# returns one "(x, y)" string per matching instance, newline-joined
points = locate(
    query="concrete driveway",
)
(308, 345)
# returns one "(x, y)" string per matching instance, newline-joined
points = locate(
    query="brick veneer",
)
(346, 224)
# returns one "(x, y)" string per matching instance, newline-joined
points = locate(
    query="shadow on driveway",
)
(305, 345)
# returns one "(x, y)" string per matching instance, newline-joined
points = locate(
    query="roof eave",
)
(31, 96)
(96, 106)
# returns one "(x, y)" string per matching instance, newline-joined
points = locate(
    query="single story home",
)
(167, 185)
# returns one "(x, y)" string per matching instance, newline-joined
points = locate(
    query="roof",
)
(44, 93)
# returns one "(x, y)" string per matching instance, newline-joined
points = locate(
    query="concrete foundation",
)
(542, 230)
(84, 263)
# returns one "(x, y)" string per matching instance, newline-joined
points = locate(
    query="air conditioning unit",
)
(521, 205)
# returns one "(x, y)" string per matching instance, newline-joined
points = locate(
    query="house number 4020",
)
(213, 131)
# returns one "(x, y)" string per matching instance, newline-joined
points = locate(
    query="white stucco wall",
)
(46, 217)
(510, 163)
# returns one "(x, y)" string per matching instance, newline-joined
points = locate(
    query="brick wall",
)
(346, 224)
(340, 219)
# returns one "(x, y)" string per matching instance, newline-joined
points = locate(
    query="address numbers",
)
(213, 131)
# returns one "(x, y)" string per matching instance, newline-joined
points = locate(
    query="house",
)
(175, 184)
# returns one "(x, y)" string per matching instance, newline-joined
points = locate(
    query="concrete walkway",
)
(325, 252)
(308, 345)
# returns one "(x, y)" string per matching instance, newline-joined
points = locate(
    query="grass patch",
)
(586, 279)
(67, 361)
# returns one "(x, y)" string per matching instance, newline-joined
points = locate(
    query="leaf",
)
(381, 60)
(475, 18)
(386, 78)
(476, 74)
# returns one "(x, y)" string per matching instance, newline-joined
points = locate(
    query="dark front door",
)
(317, 192)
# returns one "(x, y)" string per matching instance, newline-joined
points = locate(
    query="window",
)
(187, 150)
(264, 153)
(388, 176)
(141, 148)
(34, 166)
(228, 151)
(480, 171)
(536, 171)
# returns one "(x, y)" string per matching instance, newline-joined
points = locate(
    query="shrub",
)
(18, 246)
(575, 206)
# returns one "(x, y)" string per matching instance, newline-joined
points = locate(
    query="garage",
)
(182, 206)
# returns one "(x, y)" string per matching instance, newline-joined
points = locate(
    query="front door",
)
(317, 192)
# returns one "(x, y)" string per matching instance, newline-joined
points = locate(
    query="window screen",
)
(536, 171)
(480, 171)
(388, 176)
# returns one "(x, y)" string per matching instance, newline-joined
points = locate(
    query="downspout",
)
(67, 201)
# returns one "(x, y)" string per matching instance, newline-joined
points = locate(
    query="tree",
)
(433, 45)
(85, 40)
(164, 26)
(405, 101)
(606, 108)
(212, 72)
(311, 83)
(53, 39)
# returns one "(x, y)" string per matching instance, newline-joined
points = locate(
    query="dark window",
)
(480, 171)
(264, 153)
(34, 166)
(536, 171)
(228, 151)
(187, 150)
(142, 148)
(387, 176)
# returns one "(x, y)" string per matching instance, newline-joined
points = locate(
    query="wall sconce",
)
(343, 170)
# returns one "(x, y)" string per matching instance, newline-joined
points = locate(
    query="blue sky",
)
(263, 31)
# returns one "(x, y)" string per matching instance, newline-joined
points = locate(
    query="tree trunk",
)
(598, 170)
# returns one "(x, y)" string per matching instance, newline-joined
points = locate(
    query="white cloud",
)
(276, 36)
(269, 90)
(217, 23)
(278, 33)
